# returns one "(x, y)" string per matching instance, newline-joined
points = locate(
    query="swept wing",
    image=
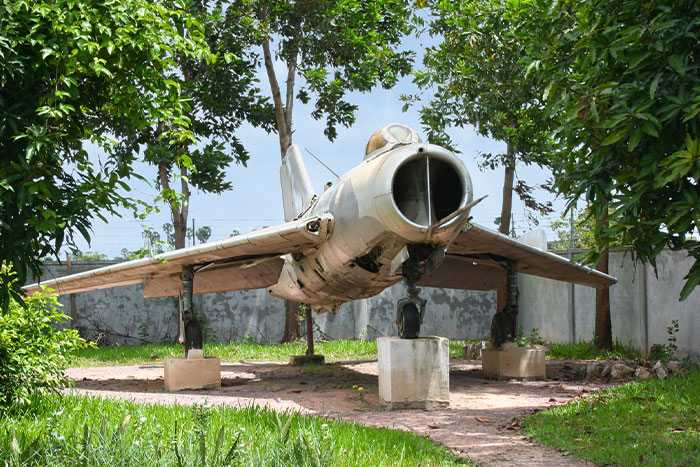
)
(476, 260)
(245, 261)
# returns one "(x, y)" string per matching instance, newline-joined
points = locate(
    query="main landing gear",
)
(423, 258)
(503, 323)
(409, 313)
(193, 332)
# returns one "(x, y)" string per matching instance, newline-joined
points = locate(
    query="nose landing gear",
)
(409, 313)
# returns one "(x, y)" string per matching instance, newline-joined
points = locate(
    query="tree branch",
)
(282, 128)
(291, 74)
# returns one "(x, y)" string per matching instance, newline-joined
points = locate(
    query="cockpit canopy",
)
(390, 136)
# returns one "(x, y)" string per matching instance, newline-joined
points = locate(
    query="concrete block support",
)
(511, 361)
(192, 373)
(414, 373)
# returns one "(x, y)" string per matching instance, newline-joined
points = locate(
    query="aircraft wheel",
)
(409, 323)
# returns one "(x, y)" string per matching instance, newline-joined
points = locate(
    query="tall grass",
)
(588, 351)
(78, 430)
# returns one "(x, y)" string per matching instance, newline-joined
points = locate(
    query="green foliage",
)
(33, 353)
(584, 225)
(668, 351)
(203, 234)
(72, 72)
(640, 423)
(334, 47)
(531, 338)
(222, 95)
(74, 430)
(476, 78)
(621, 78)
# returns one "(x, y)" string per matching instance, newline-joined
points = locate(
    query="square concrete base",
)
(302, 360)
(192, 373)
(414, 373)
(511, 361)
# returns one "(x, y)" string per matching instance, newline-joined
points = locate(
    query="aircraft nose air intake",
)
(427, 189)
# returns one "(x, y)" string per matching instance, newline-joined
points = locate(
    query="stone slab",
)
(414, 373)
(511, 361)
(301, 360)
(197, 373)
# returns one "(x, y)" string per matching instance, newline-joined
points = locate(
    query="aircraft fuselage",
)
(384, 211)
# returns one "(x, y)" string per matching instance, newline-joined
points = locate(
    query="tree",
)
(622, 79)
(222, 95)
(476, 78)
(332, 48)
(77, 255)
(74, 72)
(203, 234)
(584, 225)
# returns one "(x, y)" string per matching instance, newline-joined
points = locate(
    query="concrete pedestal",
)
(192, 373)
(414, 373)
(302, 360)
(511, 361)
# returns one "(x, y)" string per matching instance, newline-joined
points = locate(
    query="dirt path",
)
(481, 422)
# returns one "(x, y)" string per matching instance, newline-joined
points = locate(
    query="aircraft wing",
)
(242, 262)
(476, 261)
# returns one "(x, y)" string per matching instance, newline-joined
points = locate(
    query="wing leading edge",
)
(245, 261)
(475, 261)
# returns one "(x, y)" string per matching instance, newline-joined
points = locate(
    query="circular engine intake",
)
(427, 189)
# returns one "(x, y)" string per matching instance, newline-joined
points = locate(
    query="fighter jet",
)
(401, 215)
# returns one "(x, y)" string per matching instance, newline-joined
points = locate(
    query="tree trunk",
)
(603, 322)
(291, 322)
(507, 204)
(283, 117)
(179, 213)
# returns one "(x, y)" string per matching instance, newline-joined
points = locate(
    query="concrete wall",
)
(121, 315)
(642, 304)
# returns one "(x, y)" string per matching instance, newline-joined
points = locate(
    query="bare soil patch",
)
(481, 423)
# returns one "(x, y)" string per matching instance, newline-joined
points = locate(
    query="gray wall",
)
(121, 315)
(642, 304)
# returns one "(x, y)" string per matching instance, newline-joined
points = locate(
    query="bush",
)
(33, 353)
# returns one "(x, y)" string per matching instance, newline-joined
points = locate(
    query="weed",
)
(532, 338)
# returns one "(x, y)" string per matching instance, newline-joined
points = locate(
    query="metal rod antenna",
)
(321, 162)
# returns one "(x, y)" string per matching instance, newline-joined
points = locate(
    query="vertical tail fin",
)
(297, 192)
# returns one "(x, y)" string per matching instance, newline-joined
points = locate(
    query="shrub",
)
(33, 353)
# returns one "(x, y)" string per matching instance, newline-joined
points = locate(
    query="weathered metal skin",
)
(378, 208)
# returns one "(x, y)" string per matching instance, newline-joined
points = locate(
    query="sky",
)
(256, 198)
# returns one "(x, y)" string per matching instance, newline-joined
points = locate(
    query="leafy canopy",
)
(477, 78)
(335, 46)
(623, 80)
(71, 72)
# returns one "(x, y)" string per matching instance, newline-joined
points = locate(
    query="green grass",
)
(73, 430)
(587, 351)
(233, 352)
(655, 422)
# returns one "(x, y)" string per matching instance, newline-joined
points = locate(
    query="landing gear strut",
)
(193, 333)
(503, 323)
